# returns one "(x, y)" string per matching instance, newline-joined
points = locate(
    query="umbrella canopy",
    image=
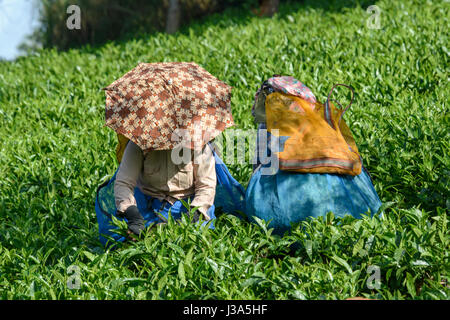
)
(155, 105)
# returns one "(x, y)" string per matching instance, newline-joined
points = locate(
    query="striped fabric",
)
(292, 164)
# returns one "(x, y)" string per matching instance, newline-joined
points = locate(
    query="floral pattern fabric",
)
(156, 105)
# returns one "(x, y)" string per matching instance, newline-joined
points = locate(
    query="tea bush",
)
(55, 151)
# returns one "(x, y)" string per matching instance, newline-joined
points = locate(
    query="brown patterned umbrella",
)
(156, 104)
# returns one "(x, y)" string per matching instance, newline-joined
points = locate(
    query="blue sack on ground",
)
(286, 197)
(289, 197)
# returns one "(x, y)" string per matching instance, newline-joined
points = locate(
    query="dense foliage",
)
(55, 151)
(103, 20)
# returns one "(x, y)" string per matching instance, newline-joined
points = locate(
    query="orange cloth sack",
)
(122, 142)
(316, 138)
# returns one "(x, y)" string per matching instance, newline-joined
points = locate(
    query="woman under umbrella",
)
(169, 112)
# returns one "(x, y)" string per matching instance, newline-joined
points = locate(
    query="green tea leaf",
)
(181, 274)
(343, 263)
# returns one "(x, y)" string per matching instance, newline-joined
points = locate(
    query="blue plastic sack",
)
(285, 197)
(229, 196)
(290, 197)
